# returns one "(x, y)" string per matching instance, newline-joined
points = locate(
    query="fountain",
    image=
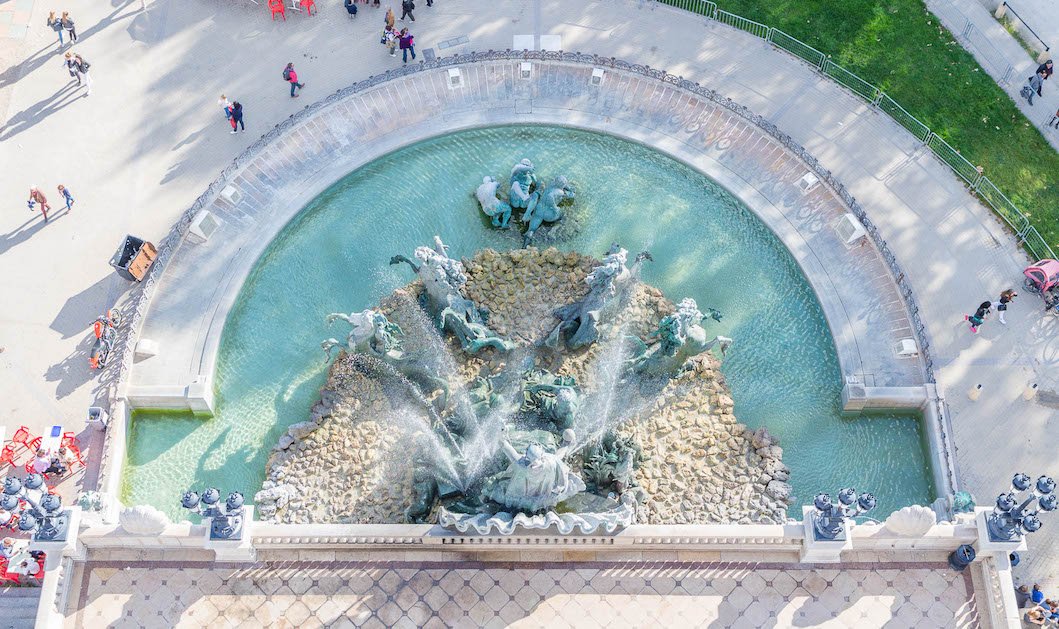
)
(527, 389)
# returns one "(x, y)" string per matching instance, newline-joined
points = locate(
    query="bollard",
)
(961, 557)
(974, 393)
(1030, 392)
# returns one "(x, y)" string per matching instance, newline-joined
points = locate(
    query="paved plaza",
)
(150, 139)
(379, 594)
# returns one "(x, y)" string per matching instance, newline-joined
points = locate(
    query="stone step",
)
(19, 605)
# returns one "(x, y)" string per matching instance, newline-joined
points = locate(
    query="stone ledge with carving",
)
(565, 523)
(911, 521)
(143, 520)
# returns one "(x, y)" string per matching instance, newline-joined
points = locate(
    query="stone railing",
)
(139, 300)
(901, 540)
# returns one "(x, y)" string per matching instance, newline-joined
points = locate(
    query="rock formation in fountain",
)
(384, 446)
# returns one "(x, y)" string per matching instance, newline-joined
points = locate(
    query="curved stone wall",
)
(268, 185)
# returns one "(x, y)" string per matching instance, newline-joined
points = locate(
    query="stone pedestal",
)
(984, 546)
(822, 550)
(232, 549)
(57, 549)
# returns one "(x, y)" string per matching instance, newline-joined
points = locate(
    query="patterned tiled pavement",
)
(466, 594)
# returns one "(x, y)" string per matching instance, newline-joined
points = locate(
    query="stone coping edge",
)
(139, 299)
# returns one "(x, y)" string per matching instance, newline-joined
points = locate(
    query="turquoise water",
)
(782, 369)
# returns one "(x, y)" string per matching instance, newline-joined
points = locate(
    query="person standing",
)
(292, 77)
(1033, 84)
(351, 8)
(978, 318)
(407, 45)
(1047, 69)
(237, 116)
(68, 24)
(391, 37)
(56, 25)
(71, 67)
(407, 6)
(69, 198)
(36, 196)
(82, 67)
(1001, 304)
(390, 19)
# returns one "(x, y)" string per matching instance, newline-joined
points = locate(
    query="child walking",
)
(978, 318)
(69, 198)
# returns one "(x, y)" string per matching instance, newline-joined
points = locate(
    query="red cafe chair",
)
(309, 6)
(7, 457)
(69, 438)
(21, 438)
(276, 6)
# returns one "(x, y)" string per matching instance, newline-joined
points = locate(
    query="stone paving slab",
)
(470, 594)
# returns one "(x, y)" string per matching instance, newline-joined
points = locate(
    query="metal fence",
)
(1026, 233)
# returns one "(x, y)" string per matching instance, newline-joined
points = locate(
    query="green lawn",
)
(902, 48)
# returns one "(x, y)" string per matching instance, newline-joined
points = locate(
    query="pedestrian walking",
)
(291, 76)
(71, 67)
(978, 318)
(69, 198)
(390, 19)
(351, 8)
(56, 25)
(1001, 304)
(82, 68)
(68, 24)
(36, 196)
(407, 45)
(391, 38)
(237, 116)
(1033, 84)
(377, 4)
(407, 6)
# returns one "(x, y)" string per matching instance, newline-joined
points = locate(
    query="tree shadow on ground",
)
(73, 371)
(40, 110)
(83, 307)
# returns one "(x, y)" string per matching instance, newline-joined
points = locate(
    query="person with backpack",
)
(291, 77)
(407, 45)
(237, 116)
(82, 67)
(56, 25)
(1033, 84)
(407, 6)
(68, 24)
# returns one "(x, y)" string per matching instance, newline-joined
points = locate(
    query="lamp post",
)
(828, 519)
(39, 512)
(226, 520)
(1010, 520)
